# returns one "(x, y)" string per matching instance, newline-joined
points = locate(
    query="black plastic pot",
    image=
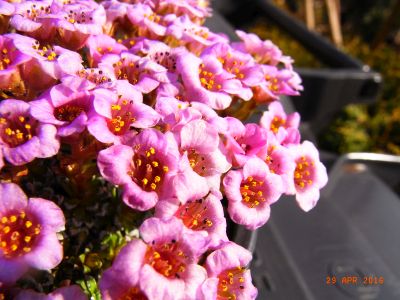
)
(345, 79)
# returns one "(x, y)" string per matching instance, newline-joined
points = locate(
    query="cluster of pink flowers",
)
(154, 90)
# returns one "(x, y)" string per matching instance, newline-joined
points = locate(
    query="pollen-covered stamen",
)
(96, 77)
(127, 70)
(304, 172)
(196, 31)
(46, 51)
(233, 66)
(104, 50)
(208, 79)
(121, 117)
(5, 59)
(167, 259)
(230, 281)
(147, 171)
(252, 192)
(194, 215)
(18, 233)
(36, 11)
(274, 162)
(67, 112)
(153, 17)
(164, 59)
(273, 83)
(197, 162)
(18, 130)
(78, 17)
(276, 123)
(134, 293)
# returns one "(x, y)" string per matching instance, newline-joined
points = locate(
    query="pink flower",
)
(228, 277)
(201, 143)
(163, 267)
(204, 215)
(171, 260)
(10, 60)
(69, 292)
(28, 230)
(241, 65)
(161, 54)
(49, 63)
(277, 82)
(279, 160)
(22, 136)
(264, 52)
(206, 81)
(122, 280)
(250, 192)
(100, 45)
(144, 169)
(117, 19)
(147, 22)
(37, 19)
(194, 36)
(243, 141)
(197, 10)
(176, 113)
(118, 113)
(140, 72)
(78, 22)
(309, 176)
(275, 118)
(66, 107)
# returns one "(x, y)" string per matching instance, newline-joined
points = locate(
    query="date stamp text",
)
(355, 280)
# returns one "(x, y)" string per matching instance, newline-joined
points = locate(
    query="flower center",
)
(46, 51)
(134, 293)
(197, 162)
(17, 233)
(5, 59)
(77, 17)
(276, 123)
(198, 32)
(153, 17)
(232, 65)
(147, 171)
(207, 79)
(167, 259)
(230, 281)
(93, 76)
(34, 12)
(164, 59)
(275, 163)
(274, 84)
(121, 117)
(104, 50)
(67, 112)
(127, 70)
(193, 215)
(252, 195)
(17, 131)
(304, 172)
